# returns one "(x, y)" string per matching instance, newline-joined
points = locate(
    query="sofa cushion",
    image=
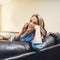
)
(48, 41)
(56, 37)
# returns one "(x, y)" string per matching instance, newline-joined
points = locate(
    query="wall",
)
(16, 12)
(0, 17)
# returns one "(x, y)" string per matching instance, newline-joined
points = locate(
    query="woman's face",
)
(32, 23)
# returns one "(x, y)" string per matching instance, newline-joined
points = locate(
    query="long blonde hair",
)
(41, 24)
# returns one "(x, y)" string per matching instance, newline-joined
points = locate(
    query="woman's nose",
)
(31, 23)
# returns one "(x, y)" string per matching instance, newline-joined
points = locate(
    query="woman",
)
(33, 31)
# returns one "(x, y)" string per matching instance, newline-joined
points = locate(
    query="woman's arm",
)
(37, 41)
(37, 38)
(23, 32)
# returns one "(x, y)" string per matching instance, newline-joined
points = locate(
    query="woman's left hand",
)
(37, 27)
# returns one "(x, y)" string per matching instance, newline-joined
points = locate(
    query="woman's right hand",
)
(23, 30)
(25, 27)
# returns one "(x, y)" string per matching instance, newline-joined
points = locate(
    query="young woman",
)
(33, 31)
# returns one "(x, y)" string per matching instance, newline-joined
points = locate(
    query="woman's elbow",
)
(37, 47)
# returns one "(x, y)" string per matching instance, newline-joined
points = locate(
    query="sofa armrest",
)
(48, 53)
(9, 49)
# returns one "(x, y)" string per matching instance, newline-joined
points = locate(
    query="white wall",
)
(16, 12)
(0, 17)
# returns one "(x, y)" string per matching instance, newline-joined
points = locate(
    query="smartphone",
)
(27, 27)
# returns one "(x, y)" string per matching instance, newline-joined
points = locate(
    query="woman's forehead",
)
(34, 18)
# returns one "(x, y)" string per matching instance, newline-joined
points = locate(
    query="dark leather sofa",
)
(24, 51)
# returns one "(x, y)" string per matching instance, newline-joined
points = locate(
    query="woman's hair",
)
(41, 24)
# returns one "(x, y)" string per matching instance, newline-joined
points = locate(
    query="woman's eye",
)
(30, 20)
(35, 23)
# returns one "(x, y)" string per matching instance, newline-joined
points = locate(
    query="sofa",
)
(24, 51)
